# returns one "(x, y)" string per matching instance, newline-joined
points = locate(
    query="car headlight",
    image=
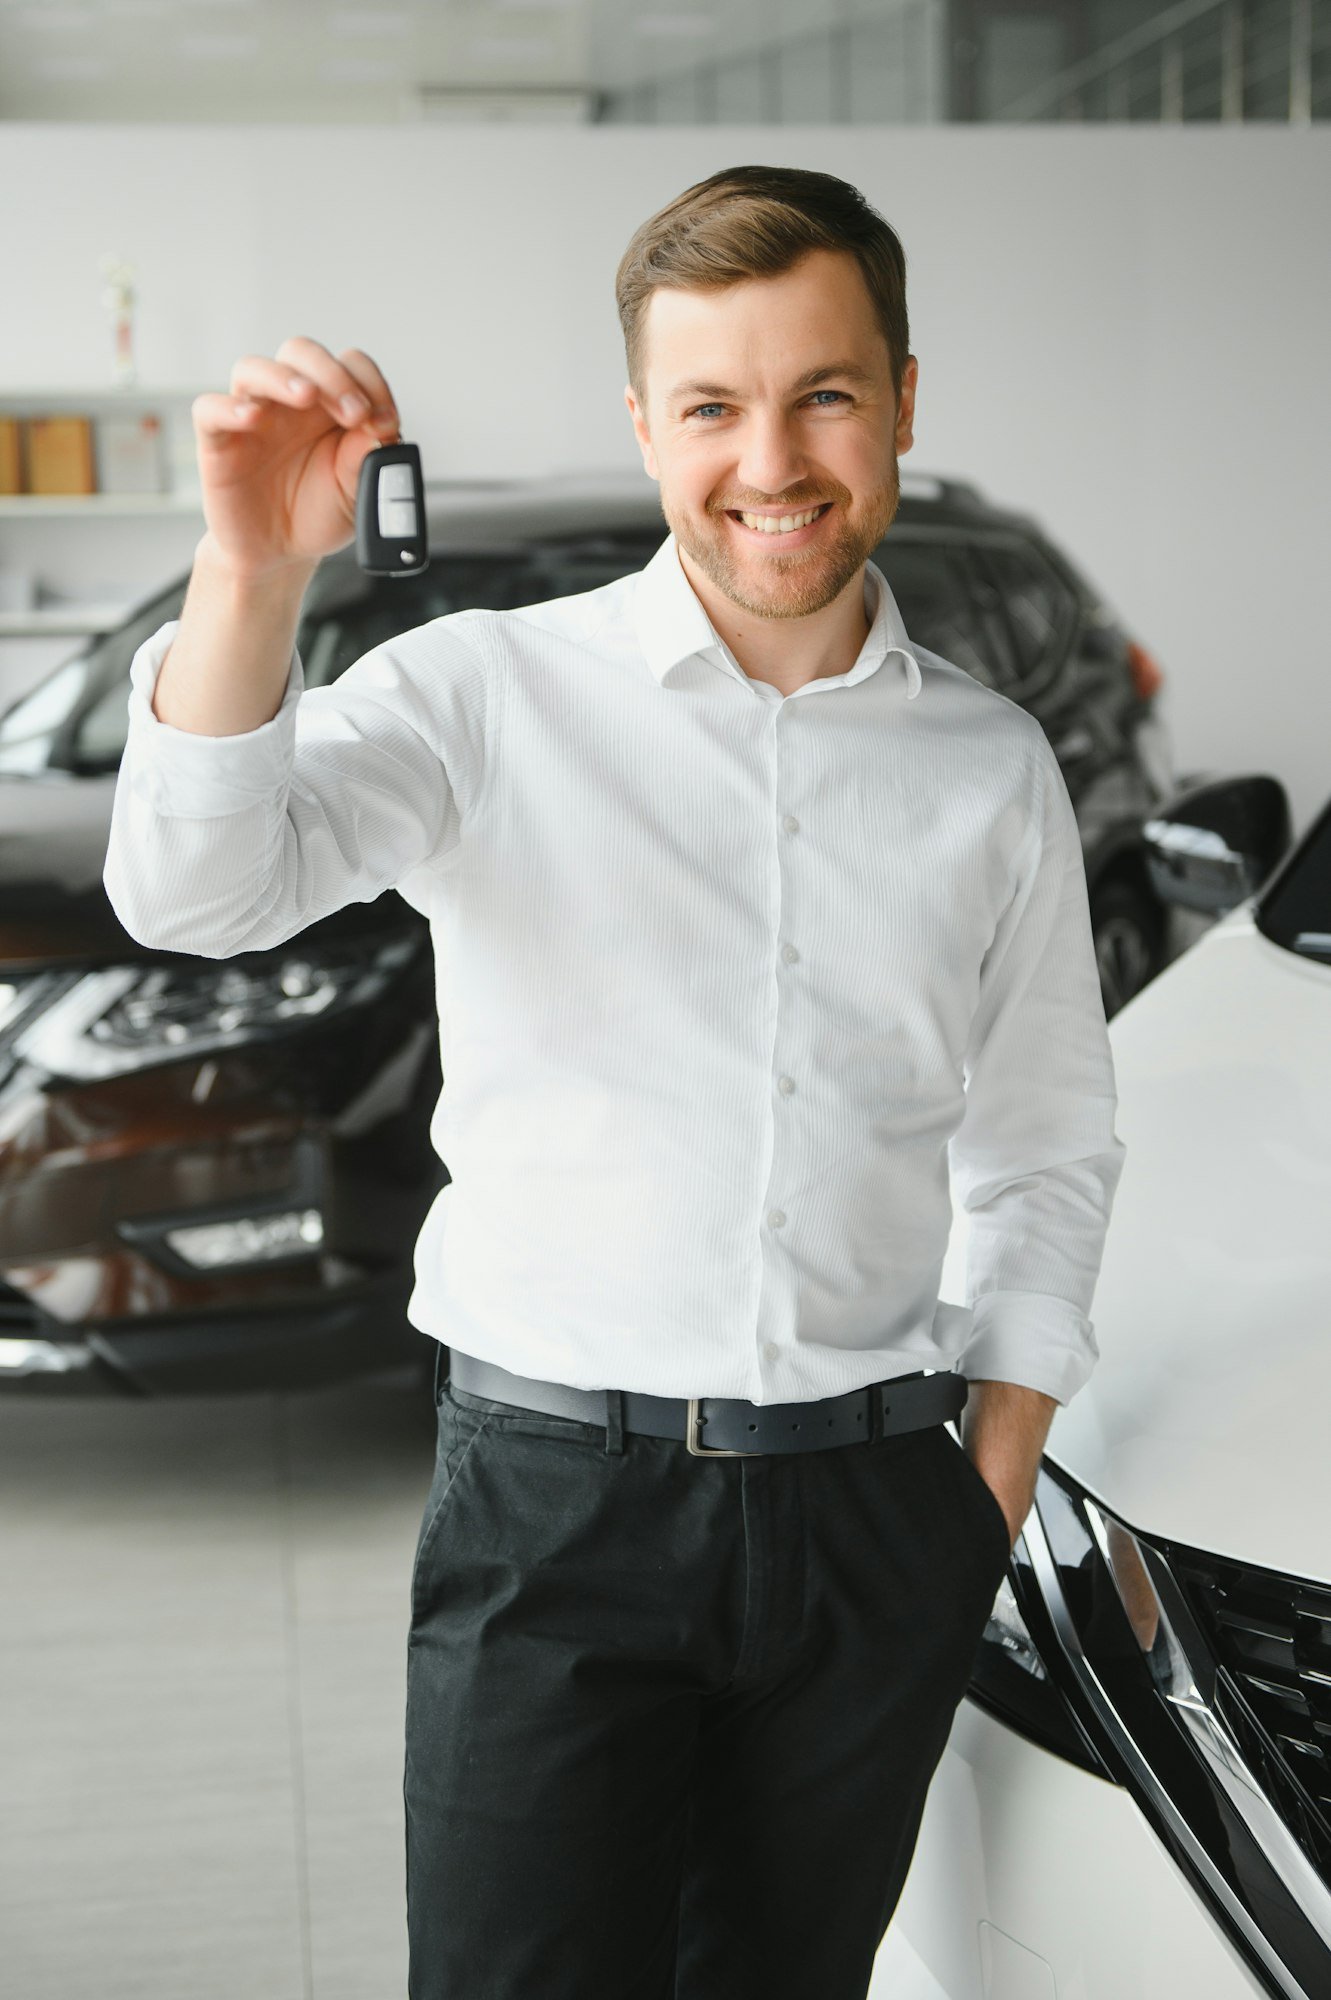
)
(20, 995)
(1152, 1660)
(24, 995)
(127, 1017)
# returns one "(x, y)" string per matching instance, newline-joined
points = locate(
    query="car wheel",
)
(1128, 929)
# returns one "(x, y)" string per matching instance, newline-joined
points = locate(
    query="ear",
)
(641, 432)
(910, 375)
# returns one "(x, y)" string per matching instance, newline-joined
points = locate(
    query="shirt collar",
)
(672, 626)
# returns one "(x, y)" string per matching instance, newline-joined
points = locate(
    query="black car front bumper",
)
(298, 1348)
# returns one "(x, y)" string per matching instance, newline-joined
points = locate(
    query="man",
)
(753, 922)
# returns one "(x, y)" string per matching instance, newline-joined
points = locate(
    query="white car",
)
(1135, 1799)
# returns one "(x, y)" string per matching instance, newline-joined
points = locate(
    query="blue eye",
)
(720, 406)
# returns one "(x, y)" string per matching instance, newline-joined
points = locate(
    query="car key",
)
(391, 538)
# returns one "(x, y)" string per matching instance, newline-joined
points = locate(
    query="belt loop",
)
(876, 1412)
(614, 1420)
(440, 1352)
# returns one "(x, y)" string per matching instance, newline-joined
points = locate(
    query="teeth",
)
(770, 525)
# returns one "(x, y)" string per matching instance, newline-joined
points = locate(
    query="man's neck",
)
(787, 653)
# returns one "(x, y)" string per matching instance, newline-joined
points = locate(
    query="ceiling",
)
(379, 62)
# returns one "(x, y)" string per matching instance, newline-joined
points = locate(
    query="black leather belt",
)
(734, 1428)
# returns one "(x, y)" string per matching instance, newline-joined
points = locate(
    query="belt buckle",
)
(700, 1450)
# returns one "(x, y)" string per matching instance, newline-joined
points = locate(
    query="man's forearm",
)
(225, 671)
(1003, 1429)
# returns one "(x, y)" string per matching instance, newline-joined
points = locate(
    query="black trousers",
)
(671, 1721)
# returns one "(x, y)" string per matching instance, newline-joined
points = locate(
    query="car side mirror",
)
(1213, 846)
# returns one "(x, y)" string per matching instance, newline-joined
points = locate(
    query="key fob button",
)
(395, 482)
(396, 517)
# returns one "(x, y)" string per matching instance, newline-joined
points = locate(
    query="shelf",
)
(106, 401)
(59, 621)
(107, 394)
(16, 505)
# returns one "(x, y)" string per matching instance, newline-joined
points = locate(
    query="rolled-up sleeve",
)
(1035, 1160)
(223, 844)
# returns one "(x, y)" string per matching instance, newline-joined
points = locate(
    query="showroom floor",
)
(202, 1674)
(202, 1678)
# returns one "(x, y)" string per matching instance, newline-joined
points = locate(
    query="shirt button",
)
(790, 823)
(789, 953)
(785, 1085)
(770, 1350)
(776, 1217)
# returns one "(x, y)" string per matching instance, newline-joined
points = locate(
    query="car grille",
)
(1270, 1637)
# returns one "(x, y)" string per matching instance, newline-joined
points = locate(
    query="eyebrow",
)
(846, 371)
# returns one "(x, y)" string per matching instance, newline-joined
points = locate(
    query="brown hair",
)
(756, 222)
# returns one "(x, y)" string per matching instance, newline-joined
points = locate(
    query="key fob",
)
(391, 537)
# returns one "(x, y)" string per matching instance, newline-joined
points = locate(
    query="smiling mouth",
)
(780, 527)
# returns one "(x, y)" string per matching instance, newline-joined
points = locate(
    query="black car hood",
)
(54, 907)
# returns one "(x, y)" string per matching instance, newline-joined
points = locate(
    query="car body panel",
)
(1204, 1419)
(1033, 1879)
(54, 908)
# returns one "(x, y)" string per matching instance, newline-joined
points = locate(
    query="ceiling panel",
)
(243, 61)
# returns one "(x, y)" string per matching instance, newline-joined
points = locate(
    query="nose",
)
(771, 460)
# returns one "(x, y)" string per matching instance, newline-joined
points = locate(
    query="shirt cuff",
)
(186, 775)
(1030, 1338)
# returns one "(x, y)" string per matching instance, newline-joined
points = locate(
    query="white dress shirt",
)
(728, 982)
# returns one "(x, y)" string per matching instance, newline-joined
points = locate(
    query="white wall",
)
(1122, 329)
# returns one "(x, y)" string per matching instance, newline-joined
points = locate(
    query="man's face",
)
(730, 426)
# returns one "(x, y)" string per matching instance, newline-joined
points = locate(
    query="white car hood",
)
(1205, 1418)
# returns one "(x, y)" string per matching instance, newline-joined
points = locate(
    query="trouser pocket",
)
(459, 1430)
(983, 1498)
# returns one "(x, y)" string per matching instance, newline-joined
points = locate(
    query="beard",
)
(770, 584)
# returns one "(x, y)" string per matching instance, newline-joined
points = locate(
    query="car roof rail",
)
(941, 486)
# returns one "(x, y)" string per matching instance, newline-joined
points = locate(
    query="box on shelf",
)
(130, 458)
(58, 454)
(11, 456)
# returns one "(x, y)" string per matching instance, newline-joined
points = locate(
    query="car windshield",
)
(76, 719)
(1296, 911)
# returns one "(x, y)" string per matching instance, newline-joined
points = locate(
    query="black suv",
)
(212, 1175)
